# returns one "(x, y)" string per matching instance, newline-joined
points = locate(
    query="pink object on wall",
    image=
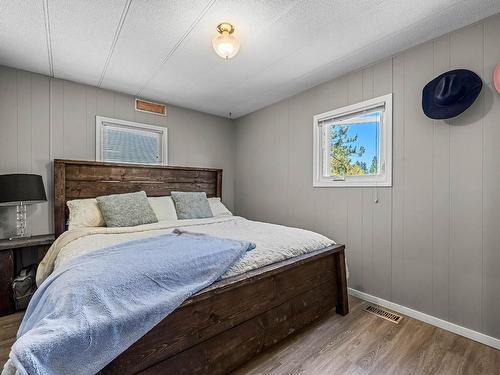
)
(496, 78)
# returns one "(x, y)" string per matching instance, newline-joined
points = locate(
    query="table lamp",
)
(20, 190)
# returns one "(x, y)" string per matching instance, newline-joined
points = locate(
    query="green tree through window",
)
(342, 149)
(374, 166)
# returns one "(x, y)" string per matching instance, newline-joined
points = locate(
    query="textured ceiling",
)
(162, 50)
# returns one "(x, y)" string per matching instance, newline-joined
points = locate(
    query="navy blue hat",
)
(451, 93)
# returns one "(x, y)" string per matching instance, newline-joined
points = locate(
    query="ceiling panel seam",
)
(48, 37)
(179, 42)
(115, 40)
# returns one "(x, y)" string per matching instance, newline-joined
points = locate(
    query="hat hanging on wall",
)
(496, 78)
(450, 94)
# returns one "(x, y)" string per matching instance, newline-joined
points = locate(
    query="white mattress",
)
(273, 242)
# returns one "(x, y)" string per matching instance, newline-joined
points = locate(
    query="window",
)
(130, 142)
(353, 145)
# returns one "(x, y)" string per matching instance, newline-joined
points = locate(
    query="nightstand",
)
(12, 253)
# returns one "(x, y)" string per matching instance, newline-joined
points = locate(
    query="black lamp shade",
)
(27, 188)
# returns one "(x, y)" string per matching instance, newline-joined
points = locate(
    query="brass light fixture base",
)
(225, 27)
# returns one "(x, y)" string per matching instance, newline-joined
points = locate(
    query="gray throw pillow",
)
(191, 205)
(126, 210)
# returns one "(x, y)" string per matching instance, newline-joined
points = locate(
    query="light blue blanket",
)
(92, 309)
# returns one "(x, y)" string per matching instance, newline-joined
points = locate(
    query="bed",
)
(234, 319)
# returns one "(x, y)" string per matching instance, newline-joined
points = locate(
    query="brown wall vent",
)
(150, 107)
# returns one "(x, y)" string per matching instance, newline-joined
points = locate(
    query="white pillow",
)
(84, 213)
(163, 207)
(218, 208)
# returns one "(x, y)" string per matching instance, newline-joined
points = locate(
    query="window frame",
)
(382, 179)
(99, 128)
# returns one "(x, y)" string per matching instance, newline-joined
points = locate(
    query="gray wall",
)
(42, 118)
(432, 242)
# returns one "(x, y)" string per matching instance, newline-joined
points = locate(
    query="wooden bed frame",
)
(223, 326)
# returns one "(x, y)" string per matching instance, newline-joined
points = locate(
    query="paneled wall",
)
(432, 242)
(42, 118)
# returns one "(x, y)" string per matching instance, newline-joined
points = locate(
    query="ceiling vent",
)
(150, 107)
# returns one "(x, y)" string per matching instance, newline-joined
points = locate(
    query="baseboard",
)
(459, 330)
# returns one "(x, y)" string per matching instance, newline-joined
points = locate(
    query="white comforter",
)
(273, 242)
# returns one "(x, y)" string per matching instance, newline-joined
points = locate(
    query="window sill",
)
(350, 184)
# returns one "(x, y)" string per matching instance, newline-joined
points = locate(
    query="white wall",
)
(42, 118)
(432, 242)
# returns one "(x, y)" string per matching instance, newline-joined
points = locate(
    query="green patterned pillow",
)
(126, 210)
(191, 205)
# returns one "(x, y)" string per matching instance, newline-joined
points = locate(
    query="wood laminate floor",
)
(362, 343)
(8, 329)
(359, 343)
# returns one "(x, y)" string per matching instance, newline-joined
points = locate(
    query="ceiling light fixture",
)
(226, 45)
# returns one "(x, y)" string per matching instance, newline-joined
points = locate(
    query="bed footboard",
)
(228, 323)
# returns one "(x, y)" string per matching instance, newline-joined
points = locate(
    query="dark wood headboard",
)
(76, 179)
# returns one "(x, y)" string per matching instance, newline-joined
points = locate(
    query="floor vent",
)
(384, 314)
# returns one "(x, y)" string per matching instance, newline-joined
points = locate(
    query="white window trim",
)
(383, 179)
(99, 120)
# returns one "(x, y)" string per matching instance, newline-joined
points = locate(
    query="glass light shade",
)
(226, 45)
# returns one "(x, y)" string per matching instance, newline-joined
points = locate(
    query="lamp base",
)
(21, 224)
